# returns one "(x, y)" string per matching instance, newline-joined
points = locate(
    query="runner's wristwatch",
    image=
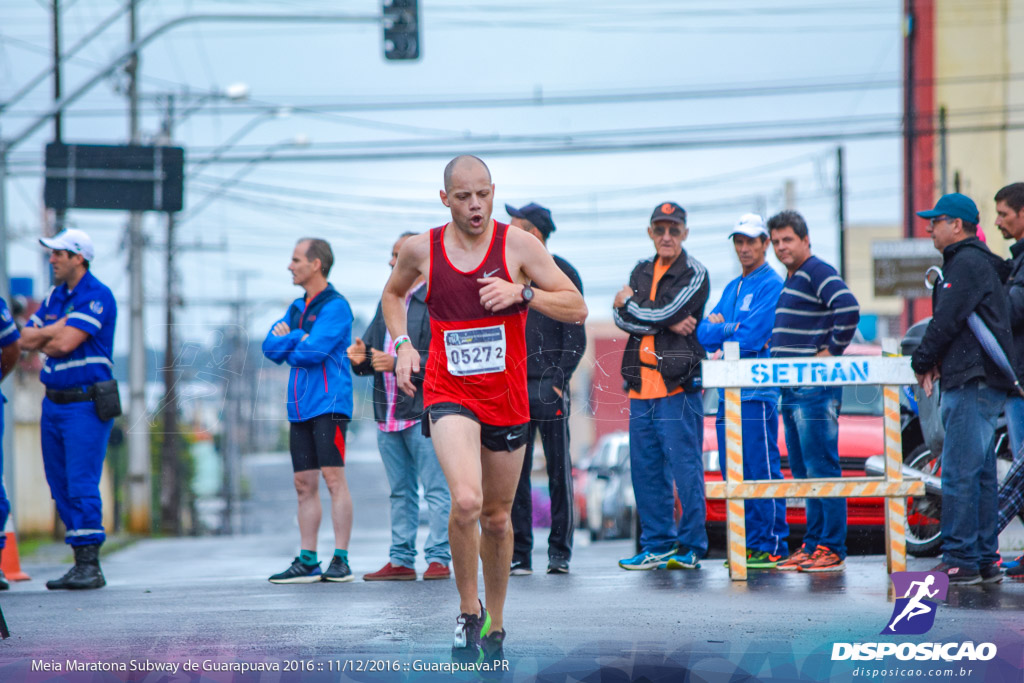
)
(527, 294)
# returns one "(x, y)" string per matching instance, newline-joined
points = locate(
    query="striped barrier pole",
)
(895, 508)
(890, 371)
(736, 536)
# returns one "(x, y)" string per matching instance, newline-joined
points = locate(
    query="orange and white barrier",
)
(732, 374)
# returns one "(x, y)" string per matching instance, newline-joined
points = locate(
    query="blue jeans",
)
(666, 437)
(969, 489)
(409, 458)
(810, 416)
(1015, 425)
(765, 519)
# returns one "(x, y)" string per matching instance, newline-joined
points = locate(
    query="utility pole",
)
(170, 457)
(233, 409)
(943, 159)
(789, 195)
(841, 212)
(909, 113)
(58, 215)
(139, 475)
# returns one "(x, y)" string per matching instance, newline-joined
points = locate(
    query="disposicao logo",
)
(914, 614)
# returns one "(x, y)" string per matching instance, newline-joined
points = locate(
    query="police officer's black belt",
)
(76, 395)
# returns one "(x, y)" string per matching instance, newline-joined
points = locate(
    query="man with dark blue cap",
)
(554, 350)
(974, 389)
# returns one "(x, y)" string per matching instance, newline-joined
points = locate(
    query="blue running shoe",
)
(688, 560)
(647, 560)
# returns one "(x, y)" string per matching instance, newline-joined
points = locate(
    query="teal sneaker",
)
(688, 560)
(647, 560)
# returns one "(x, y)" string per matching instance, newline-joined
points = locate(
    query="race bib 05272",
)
(476, 351)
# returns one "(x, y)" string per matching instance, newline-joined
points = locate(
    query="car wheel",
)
(924, 514)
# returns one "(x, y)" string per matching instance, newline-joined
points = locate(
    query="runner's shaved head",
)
(458, 161)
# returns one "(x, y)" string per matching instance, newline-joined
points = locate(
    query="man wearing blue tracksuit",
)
(746, 314)
(10, 350)
(74, 327)
(312, 338)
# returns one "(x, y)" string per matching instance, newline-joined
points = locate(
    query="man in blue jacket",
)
(746, 314)
(312, 338)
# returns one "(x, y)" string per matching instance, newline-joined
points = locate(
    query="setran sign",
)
(114, 177)
(813, 371)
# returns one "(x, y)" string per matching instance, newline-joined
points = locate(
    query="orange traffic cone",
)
(11, 563)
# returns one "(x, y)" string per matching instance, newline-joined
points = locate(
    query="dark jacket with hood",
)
(418, 326)
(1015, 296)
(682, 291)
(972, 282)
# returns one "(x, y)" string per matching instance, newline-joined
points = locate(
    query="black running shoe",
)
(469, 630)
(991, 574)
(520, 569)
(299, 572)
(338, 571)
(558, 565)
(3, 582)
(492, 645)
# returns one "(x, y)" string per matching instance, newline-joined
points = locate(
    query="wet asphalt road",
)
(188, 598)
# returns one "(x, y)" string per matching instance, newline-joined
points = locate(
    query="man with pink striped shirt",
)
(407, 454)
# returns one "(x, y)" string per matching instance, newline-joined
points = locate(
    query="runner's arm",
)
(554, 294)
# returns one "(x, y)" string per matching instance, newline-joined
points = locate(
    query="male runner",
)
(475, 385)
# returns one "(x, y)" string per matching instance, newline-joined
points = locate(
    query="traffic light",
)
(401, 29)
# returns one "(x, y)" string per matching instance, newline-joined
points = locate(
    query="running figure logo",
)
(914, 613)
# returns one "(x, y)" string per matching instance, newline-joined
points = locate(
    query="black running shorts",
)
(318, 442)
(492, 437)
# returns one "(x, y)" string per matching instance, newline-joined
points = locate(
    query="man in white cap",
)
(746, 314)
(74, 327)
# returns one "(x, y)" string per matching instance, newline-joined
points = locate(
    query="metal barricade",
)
(732, 374)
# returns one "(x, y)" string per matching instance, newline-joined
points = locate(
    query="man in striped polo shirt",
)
(816, 315)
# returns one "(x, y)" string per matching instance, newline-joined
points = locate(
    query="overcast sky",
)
(717, 104)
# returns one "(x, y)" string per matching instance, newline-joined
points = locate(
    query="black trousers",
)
(554, 435)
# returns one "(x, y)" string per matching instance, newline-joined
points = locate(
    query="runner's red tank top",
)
(477, 358)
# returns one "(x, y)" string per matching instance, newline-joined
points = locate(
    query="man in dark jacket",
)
(554, 349)
(974, 389)
(659, 308)
(407, 453)
(1010, 221)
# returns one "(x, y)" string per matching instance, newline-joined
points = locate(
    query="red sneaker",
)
(794, 561)
(391, 572)
(823, 560)
(436, 570)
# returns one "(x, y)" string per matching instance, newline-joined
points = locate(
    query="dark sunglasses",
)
(659, 230)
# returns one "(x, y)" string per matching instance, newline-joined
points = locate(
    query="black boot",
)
(85, 574)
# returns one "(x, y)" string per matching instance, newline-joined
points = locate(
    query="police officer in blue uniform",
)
(10, 349)
(74, 327)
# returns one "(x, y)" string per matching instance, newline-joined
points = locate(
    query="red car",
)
(860, 436)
